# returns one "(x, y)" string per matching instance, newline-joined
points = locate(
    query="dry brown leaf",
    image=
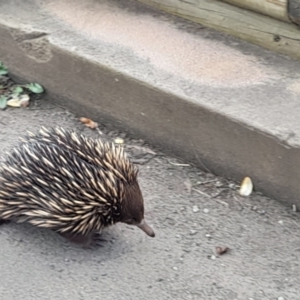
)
(88, 122)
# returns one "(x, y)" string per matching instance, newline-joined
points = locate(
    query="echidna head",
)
(132, 211)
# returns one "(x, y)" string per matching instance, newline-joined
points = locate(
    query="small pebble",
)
(213, 257)
(208, 235)
(193, 232)
(119, 140)
(175, 268)
(280, 222)
(206, 210)
(195, 208)
(294, 207)
(280, 298)
(232, 186)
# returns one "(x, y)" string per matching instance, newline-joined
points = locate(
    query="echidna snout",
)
(146, 228)
(133, 209)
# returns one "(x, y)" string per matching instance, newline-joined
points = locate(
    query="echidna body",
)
(71, 184)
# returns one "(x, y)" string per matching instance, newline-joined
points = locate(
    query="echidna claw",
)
(98, 240)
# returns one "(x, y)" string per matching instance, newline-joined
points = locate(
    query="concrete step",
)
(225, 105)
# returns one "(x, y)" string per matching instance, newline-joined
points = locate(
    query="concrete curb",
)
(198, 132)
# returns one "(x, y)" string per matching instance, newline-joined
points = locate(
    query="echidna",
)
(71, 184)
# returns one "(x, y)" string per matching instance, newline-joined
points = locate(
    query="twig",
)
(222, 202)
(218, 194)
(178, 165)
(205, 182)
(201, 193)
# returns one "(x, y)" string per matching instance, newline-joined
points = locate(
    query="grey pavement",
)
(213, 101)
(180, 262)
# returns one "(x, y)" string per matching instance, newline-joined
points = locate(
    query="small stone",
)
(195, 208)
(208, 235)
(119, 140)
(232, 186)
(206, 210)
(294, 207)
(193, 232)
(280, 222)
(262, 212)
(175, 268)
(280, 298)
(213, 257)
(254, 208)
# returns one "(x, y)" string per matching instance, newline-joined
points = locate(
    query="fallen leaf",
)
(17, 90)
(246, 187)
(88, 123)
(14, 102)
(34, 87)
(24, 100)
(221, 250)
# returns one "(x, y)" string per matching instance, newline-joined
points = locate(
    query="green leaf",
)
(34, 87)
(17, 90)
(3, 69)
(3, 102)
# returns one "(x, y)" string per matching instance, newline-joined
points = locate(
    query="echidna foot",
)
(98, 240)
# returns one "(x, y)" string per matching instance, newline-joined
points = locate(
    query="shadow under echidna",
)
(71, 184)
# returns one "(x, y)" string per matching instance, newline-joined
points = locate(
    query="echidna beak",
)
(146, 228)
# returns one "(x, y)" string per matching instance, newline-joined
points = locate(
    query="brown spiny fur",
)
(69, 183)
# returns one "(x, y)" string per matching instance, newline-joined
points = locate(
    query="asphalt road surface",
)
(191, 212)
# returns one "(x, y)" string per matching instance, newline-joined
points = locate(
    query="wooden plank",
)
(273, 8)
(258, 29)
